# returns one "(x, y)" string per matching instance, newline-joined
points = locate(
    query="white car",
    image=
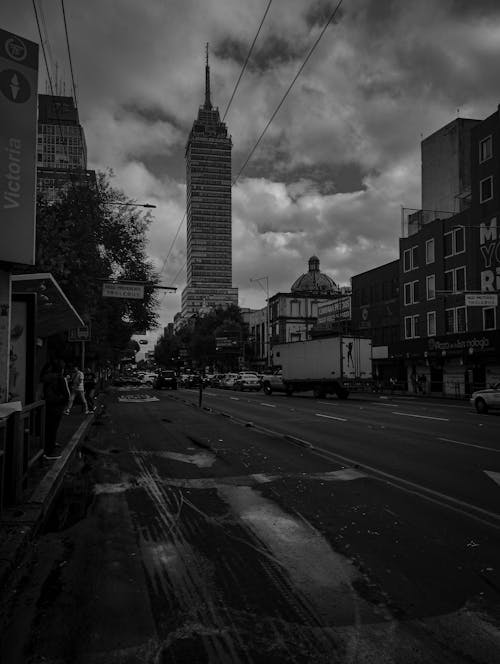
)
(247, 381)
(228, 381)
(485, 399)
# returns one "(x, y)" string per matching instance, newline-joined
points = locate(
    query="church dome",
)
(314, 282)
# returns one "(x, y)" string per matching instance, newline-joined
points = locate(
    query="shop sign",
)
(476, 343)
(481, 300)
(489, 246)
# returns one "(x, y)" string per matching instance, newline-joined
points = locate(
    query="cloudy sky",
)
(343, 153)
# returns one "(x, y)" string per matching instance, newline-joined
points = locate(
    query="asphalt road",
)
(267, 529)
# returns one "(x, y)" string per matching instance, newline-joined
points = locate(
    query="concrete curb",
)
(21, 524)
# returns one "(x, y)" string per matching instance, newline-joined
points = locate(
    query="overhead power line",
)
(246, 60)
(311, 51)
(69, 54)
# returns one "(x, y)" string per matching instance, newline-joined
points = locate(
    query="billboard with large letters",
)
(18, 126)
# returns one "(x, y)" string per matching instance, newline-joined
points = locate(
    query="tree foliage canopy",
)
(87, 237)
(198, 338)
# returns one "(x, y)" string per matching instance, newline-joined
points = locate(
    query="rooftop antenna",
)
(208, 103)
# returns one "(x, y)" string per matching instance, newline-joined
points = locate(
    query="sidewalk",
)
(20, 524)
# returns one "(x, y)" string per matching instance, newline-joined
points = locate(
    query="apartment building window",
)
(431, 323)
(410, 261)
(430, 284)
(459, 279)
(411, 326)
(486, 189)
(411, 290)
(429, 251)
(485, 149)
(455, 320)
(454, 242)
(455, 280)
(489, 318)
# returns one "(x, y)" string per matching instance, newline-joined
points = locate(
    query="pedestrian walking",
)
(90, 384)
(77, 390)
(56, 394)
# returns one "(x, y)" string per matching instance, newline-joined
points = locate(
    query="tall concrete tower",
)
(209, 236)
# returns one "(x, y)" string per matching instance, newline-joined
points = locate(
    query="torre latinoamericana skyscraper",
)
(209, 236)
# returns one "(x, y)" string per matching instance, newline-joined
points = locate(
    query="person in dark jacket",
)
(56, 394)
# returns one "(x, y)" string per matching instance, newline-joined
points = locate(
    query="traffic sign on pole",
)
(124, 290)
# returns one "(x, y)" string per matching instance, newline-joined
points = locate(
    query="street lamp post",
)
(268, 331)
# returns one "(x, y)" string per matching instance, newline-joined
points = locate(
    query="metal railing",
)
(22, 437)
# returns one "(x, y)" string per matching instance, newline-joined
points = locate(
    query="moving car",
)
(485, 399)
(247, 381)
(165, 379)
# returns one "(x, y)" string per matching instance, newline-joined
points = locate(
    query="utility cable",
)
(69, 54)
(64, 143)
(246, 60)
(311, 50)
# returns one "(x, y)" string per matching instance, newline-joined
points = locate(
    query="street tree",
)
(87, 237)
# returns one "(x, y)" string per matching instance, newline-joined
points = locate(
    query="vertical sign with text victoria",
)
(18, 113)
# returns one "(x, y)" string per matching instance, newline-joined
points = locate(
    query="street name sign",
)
(18, 126)
(79, 333)
(481, 299)
(128, 291)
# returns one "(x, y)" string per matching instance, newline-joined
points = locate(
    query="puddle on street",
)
(320, 574)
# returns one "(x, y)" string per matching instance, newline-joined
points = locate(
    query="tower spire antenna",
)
(208, 103)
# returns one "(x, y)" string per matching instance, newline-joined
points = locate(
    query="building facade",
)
(209, 219)
(61, 148)
(376, 314)
(450, 278)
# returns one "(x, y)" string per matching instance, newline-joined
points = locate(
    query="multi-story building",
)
(61, 147)
(375, 314)
(450, 278)
(209, 228)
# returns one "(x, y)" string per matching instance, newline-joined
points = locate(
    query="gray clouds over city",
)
(343, 153)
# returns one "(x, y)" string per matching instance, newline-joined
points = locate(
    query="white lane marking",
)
(268, 405)
(494, 476)
(234, 398)
(423, 417)
(480, 447)
(377, 403)
(328, 403)
(331, 417)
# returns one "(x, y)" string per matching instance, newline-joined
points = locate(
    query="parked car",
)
(165, 379)
(273, 382)
(247, 381)
(485, 399)
(217, 380)
(228, 381)
(147, 378)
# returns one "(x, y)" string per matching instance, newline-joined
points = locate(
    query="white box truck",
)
(326, 366)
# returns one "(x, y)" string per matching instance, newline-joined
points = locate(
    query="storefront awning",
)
(55, 313)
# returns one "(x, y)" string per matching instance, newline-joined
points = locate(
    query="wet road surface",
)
(204, 540)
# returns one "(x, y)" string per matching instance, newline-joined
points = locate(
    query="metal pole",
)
(268, 326)
(83, 355)
(5, 321)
